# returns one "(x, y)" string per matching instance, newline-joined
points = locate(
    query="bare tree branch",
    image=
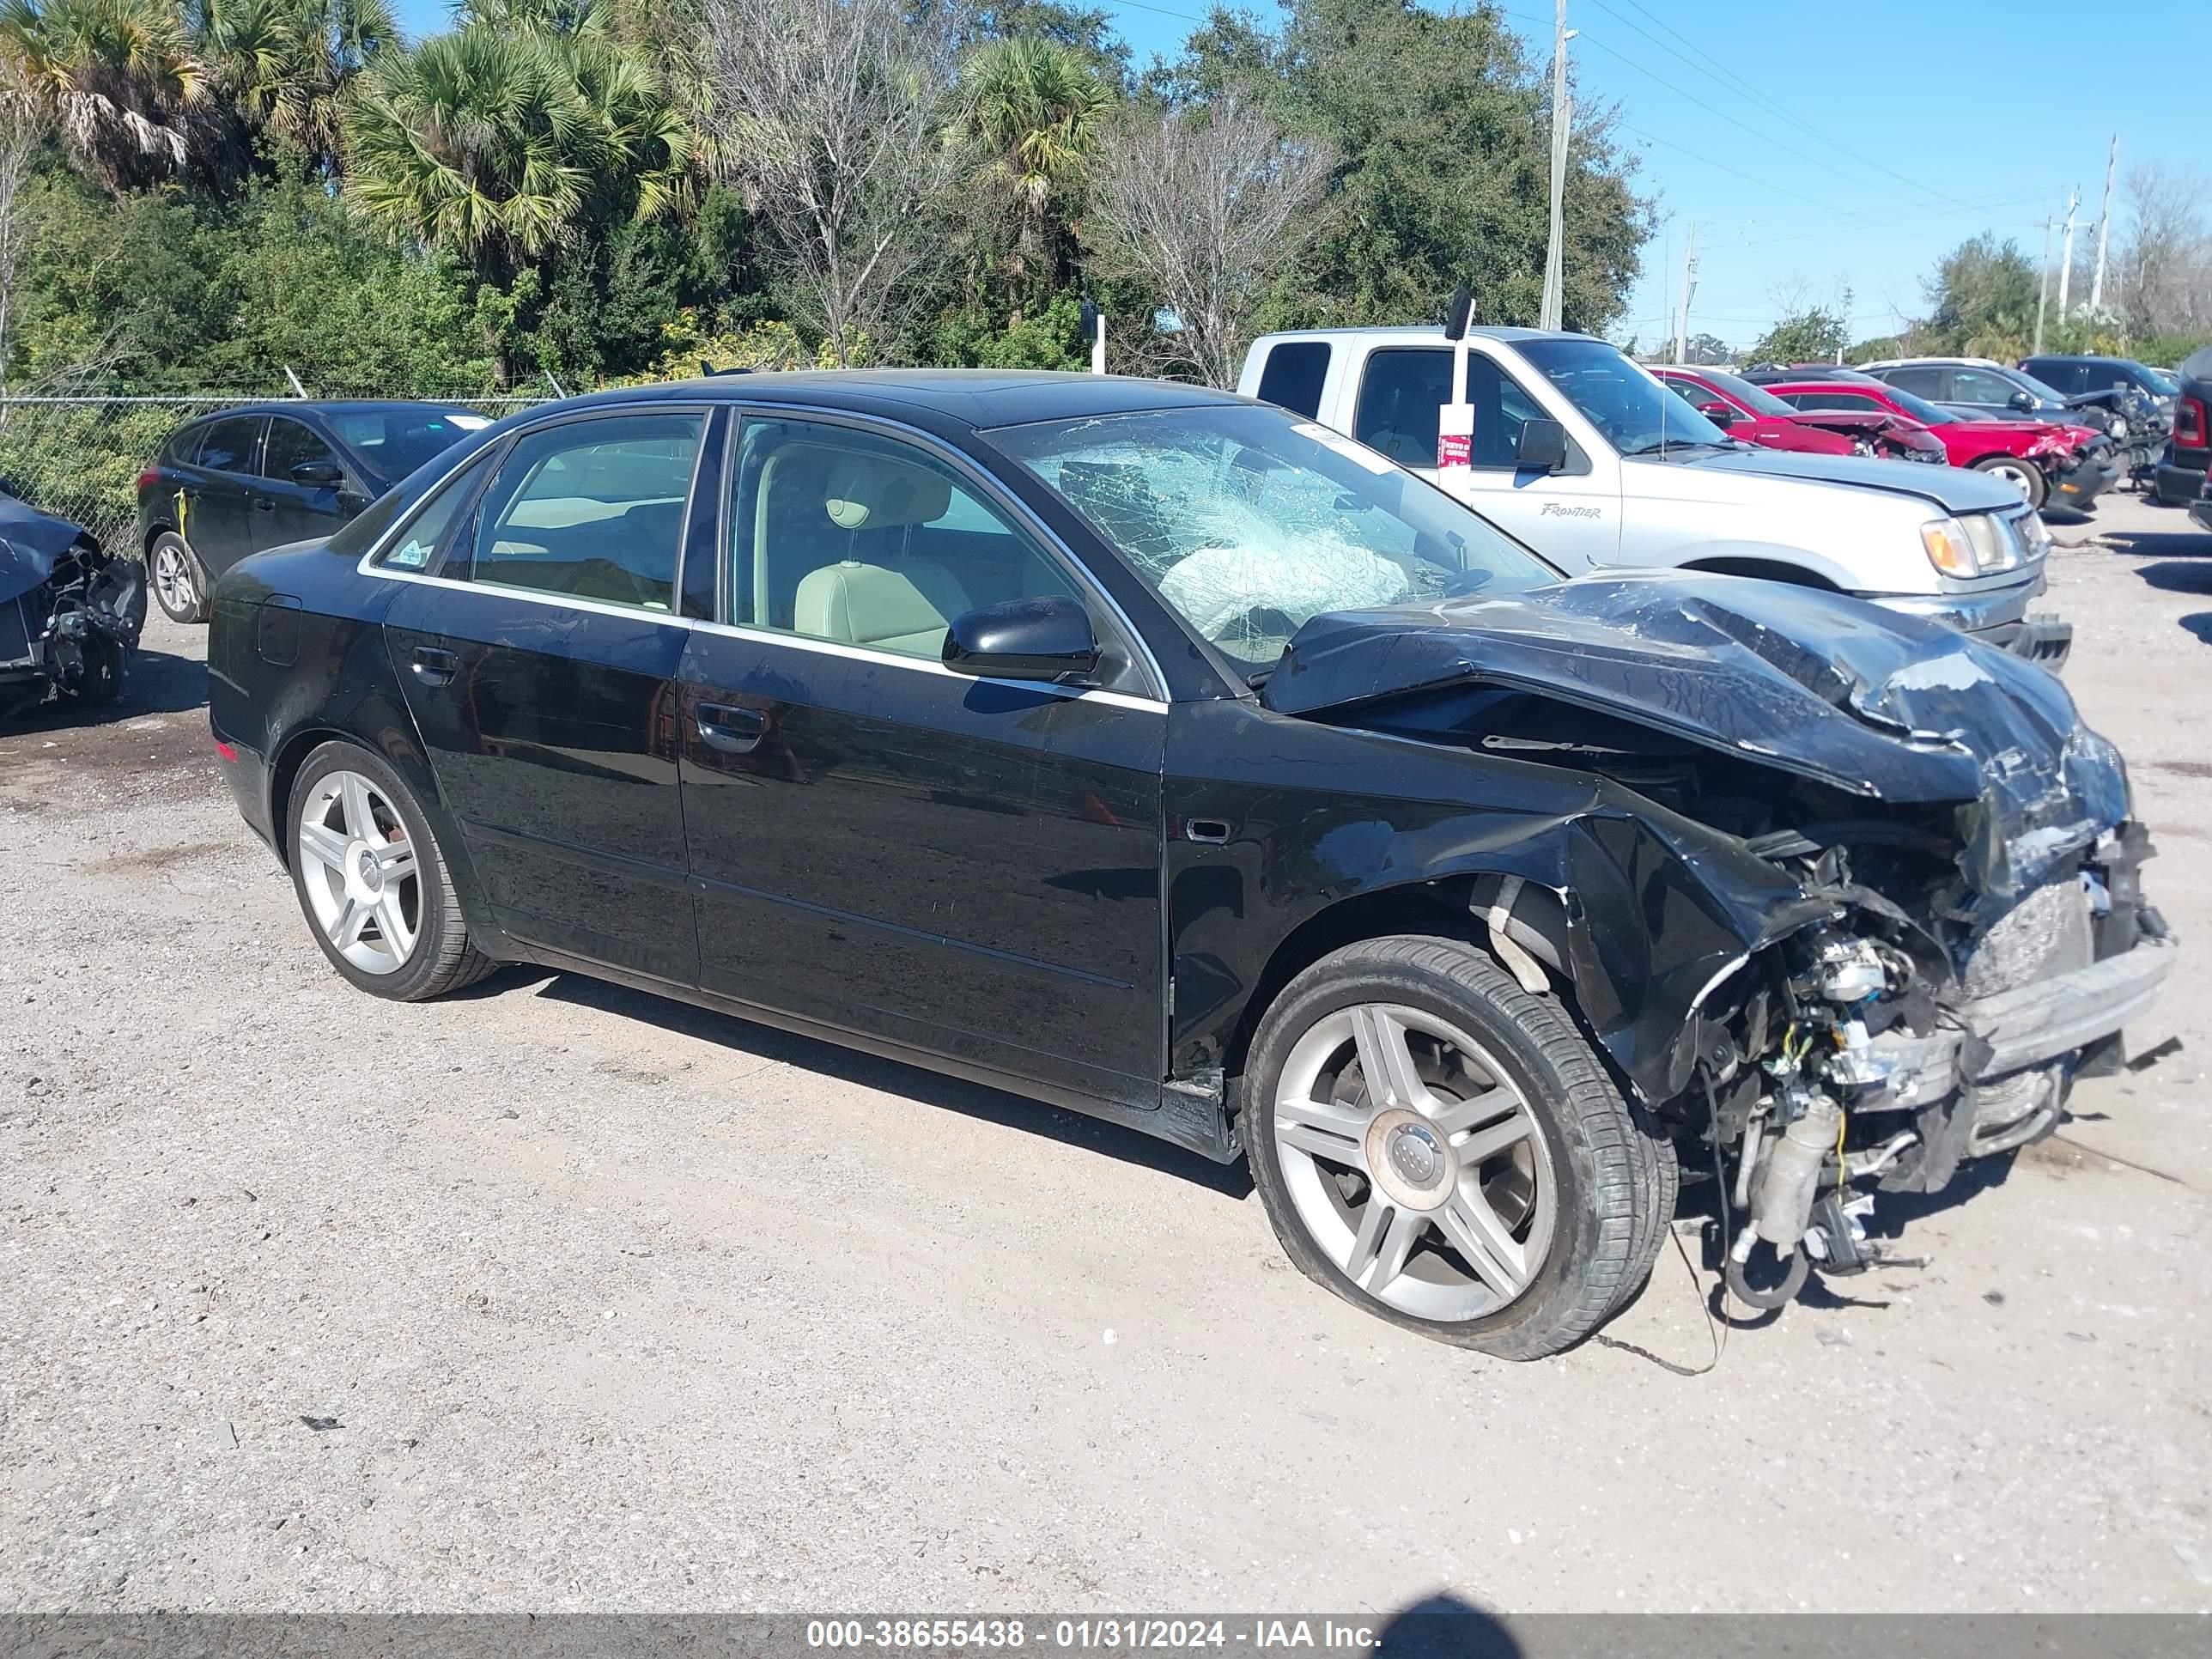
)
(827, 113)
(1205, 206)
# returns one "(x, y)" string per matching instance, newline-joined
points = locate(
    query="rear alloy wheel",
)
(1441, 1147)
(174, 575)
(2024, 475)
(371, 880)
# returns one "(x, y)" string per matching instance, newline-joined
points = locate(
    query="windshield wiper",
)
(1660, 445)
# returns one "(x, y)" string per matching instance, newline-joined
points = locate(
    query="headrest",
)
(873, 492)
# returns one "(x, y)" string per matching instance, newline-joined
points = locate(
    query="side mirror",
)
(318, 474)
(2020, 400)
(1719, 414)
(1042, 639)
(1543, 445)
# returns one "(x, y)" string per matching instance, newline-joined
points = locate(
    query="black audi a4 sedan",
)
(1155, 753)
(261, 475)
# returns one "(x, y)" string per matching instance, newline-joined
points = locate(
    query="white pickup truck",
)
(1565, 443)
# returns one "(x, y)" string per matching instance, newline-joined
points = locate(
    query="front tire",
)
(2026, 477)
(372, 881)
(179, 586)
(1492, 1190)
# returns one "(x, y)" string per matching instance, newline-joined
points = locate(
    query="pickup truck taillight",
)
(2189, 424)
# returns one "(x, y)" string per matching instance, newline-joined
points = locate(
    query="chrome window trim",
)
(897, 659)
(771, 635)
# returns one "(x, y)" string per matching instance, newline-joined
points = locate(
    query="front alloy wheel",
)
(1414, 1161)
(2024, 475)
(1446, 1149)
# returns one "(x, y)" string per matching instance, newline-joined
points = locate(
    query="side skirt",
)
(1194, 1121)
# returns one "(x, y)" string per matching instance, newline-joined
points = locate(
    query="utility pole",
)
(2042, 287)
(1689, 287)
(2066, 252)
(2103, 228)
(1562, 120)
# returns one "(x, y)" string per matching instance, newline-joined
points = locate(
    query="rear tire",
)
(2024, 475)
(174, 573)
(372, 880)
(1523, 1201)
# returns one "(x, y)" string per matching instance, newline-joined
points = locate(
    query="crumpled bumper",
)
(2083, 482)
(1997, 1036)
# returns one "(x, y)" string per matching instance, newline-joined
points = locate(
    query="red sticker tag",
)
(1455, 449)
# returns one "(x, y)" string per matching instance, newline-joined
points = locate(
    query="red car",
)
(2045, 461)
(1756, 415)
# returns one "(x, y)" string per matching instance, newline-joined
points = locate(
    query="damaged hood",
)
(31, 543)
(1875, 703)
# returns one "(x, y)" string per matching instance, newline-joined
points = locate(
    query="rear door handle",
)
(733, 731)
(435, 667)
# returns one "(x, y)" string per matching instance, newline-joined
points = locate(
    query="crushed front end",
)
(1949, 928)
(69, 614)
(1878, 1051)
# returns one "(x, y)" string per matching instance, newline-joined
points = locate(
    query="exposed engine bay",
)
(1928, 860)
(71, 615)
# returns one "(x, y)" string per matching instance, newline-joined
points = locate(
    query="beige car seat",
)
(899, 604)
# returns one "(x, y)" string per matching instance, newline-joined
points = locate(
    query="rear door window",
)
(1926, 381)
(1293, 375)
(232, 446)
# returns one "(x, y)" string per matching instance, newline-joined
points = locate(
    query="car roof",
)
(977, 398)
(335, 406)
(1421, 332)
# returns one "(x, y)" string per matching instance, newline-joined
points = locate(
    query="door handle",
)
(733, 731)
(435, 667)
(265, 503)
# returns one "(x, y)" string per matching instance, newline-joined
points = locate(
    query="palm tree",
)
(284, 66)
(500, 139)
(477, 141)
(118, 78)
(1032, 110)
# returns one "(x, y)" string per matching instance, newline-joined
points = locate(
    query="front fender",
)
(1391, 836)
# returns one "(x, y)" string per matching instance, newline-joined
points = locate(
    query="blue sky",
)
(1881, 132)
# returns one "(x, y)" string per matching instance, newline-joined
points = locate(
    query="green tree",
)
(1812, 335)
(1031, 112)
(120, 80)
(1982, 297)
(1442, 127)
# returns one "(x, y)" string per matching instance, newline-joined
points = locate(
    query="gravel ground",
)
(554, 1296)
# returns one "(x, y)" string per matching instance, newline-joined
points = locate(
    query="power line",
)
(1729, 80)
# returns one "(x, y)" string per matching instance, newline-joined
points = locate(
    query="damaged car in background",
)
(1175, 759)
(70, 615)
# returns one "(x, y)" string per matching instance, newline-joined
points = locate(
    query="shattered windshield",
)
(1248, 521)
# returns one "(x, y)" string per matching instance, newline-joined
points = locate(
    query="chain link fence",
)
(80, 458)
